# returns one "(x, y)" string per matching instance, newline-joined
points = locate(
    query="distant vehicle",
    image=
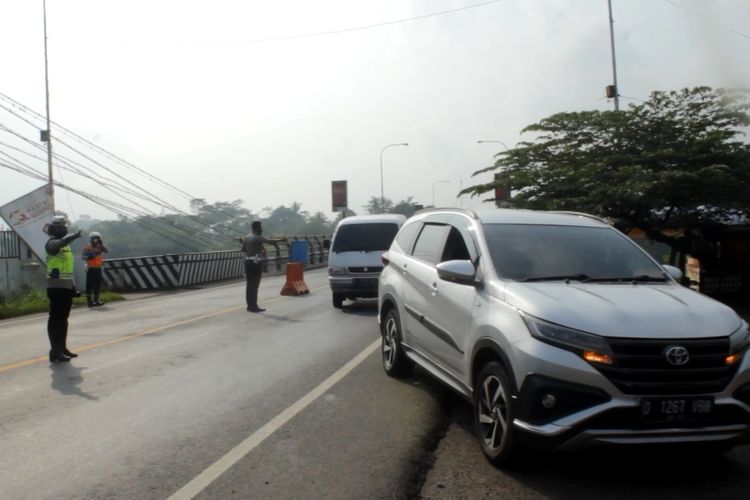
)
(563, 333)
(355, 249)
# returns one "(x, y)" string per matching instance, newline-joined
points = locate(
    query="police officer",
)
(255, 254)
(93, 255)
(61, 287)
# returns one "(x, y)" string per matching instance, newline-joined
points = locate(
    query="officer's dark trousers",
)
(253, 272)
(93, 282)
(60, 302)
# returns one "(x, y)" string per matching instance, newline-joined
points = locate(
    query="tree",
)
(378, 206)
(405, 207)
(673, 161)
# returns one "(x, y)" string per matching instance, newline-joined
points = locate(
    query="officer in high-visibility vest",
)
(61, 287)
(93, 254)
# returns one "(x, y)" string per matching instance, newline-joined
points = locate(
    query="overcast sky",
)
(224, 100)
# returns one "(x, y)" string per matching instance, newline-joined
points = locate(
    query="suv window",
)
(364, 237)
(455, 247)
(429, 246)
(405, 238)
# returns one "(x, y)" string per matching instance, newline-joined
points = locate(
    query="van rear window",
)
(364, 237)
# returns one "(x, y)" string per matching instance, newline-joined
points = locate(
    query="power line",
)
(154, 199)
(690, 11)
(95, 177)
(359, 28)
(168, 231)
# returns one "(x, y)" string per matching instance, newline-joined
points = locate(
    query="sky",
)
(268, 102)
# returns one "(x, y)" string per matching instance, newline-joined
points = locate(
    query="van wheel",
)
(395, 362)
(338, 300)
(493, 415)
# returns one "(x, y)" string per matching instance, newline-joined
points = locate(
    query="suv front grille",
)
(641, 367)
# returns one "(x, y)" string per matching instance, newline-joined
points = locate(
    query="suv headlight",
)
(592, 348)
(336, 270)
(740, 339)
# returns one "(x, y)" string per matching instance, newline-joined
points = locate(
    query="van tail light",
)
(384, 259)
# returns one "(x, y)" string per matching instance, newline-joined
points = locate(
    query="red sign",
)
(338, 196)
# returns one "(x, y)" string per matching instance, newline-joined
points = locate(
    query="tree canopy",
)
(676, 160)
(405, 207)
(208, 227)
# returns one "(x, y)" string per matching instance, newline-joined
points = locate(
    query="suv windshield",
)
(525, 252)
(364, 237)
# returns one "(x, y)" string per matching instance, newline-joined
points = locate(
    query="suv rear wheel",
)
(395, 362)
(493, 414)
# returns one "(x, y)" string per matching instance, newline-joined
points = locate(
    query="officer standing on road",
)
(61, 287)
(255, 254)
(93, 255)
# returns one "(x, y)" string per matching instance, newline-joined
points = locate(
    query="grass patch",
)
(35, 301)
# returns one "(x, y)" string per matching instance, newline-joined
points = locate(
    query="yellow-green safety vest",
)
(63, 261)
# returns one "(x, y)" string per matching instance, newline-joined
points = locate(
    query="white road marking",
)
(205, 478)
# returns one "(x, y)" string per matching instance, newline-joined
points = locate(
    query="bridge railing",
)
(163, 272)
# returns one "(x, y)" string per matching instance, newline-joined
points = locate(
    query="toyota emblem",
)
(366, 269)
(677, 355)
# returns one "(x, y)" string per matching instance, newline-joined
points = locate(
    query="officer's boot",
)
(64, 348)
(89, 300)
(97, 302)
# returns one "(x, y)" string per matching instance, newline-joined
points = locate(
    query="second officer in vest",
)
(93, 254)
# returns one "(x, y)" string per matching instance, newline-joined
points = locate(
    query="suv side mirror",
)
(673, 272)
(457, 271)
(327, 244)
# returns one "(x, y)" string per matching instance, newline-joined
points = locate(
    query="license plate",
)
(676, 409)
(366, 283)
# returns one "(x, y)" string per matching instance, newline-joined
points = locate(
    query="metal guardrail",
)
(163, 272)
(10, 245)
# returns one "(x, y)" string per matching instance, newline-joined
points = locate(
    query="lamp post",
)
(433, 189)
(48, 134)
(382, 195)
(612, 48)
(499, 142)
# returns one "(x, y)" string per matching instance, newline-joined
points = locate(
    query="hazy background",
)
(212, 98)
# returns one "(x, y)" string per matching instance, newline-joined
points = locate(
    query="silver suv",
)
(562, 332)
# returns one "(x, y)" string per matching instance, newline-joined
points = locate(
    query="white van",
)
(354, 253)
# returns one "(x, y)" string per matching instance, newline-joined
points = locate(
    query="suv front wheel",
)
(493, 414)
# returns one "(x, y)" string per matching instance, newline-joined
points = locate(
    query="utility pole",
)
(48, 134)
(616, 90)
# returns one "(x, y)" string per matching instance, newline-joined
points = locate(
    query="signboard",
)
(339, 196)
(502, 193)
(28, 216)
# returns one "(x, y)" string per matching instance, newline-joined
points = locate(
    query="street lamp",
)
(433, 189)
(382, 196)
(499, 142)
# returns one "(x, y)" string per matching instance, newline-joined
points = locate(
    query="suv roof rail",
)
(580, 214)
(465, 211)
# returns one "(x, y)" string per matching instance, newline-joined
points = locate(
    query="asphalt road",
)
(167, 387)
(187, 395)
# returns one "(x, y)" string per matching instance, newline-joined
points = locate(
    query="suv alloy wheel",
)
(493, 414)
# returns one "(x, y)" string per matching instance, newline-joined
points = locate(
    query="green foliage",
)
(675, 160)
(209, 227)
(32, 301)
(406, 207)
